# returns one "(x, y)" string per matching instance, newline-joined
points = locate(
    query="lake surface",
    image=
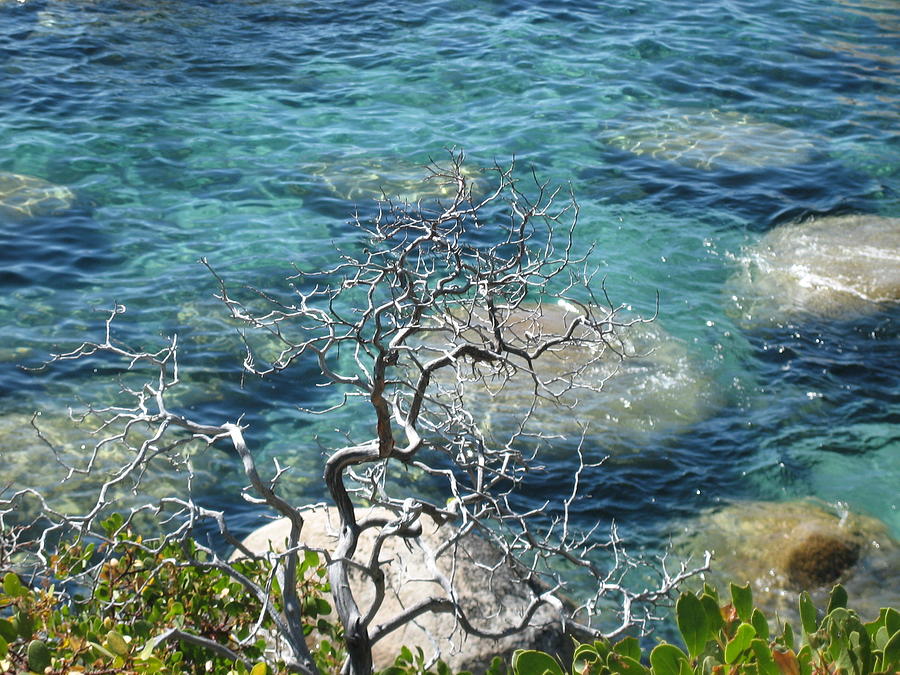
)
(249, 132)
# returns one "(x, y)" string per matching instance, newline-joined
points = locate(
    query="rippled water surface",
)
(248, 132)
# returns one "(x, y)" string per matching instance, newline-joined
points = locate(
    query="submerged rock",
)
(488, 588)
(708, 139)
(827, 267)
(206, 325)
(783, 548)
(26, 196)
(365, 179)
(656, 387)
(60, 462)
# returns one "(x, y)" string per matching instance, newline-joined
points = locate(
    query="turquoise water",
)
(248, 132)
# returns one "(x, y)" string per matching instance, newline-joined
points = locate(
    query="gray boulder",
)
(488, 588)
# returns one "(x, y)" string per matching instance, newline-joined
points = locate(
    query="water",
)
(245, 131)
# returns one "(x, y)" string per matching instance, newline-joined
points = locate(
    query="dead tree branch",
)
(448, 308)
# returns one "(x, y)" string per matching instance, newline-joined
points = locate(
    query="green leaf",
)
(38, 656)
(12, 586)
(584, 656)
(808, 614)
(177, 609)
(764, 659)
(630, 647)
(739, 643)
(787, 636)
(497, 667)
(692, 622)
(100, 650)
(892, 652)
(117, 644)
(24, 623)
(892, 620)
(742, 599)
(602, 647)
(4, 647)
(804, 659)
(147, 651)
(881, 638)
(713, 613)
(666, 659)
(260, 669)
(760, 623)
(530, 662)
(873, 626)
(311, 558)
(113, 523)
(841, 660)
(625, 665)
(837, 600)
(7, 630)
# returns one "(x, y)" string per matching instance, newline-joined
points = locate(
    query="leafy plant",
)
(735, 638)
(413, 663)
(151, 612)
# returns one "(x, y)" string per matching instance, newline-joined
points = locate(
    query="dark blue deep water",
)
(248, 132)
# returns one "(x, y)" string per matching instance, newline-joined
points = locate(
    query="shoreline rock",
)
(492, 598)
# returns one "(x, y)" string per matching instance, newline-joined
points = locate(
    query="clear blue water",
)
(237, 130)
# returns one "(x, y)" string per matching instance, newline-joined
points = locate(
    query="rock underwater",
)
(65, 447)
(364, 179)
(26, 196)
(830, 267)
(492, 598)
(708, 139)
(782, 548)
(333, 185)
(657, 388)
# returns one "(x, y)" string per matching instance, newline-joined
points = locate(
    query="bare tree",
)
(445, 309)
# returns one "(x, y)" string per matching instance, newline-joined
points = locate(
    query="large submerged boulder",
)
(488, 588)
(56, 456)
(829, 267)
(708, 139)
(643, 381)
(26, 196)
(334, 183)
(783, 548)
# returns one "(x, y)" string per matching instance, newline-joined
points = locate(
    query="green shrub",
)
(142, 603)
(142, 594)
(735, 638)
